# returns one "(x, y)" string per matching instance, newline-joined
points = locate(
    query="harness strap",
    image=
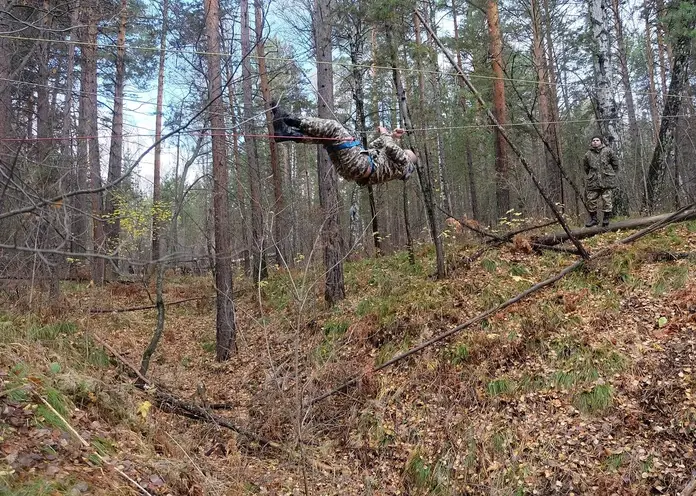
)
(351, 144)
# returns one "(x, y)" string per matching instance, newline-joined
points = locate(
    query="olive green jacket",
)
(601, 166)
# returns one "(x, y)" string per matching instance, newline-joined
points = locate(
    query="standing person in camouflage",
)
(600, 165)
(383, 161)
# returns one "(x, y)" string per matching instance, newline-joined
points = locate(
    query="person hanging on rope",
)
(383, 161)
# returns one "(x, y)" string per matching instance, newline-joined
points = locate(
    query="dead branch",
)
(168, 402)
(146, 307)
(664, 220)
(560, 237)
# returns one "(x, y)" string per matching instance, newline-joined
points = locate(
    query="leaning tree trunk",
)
(334, 289)
(664, 149)
(424, 171)
(225, 323)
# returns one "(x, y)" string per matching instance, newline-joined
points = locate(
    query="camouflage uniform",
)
(600, 170)
(383, 161)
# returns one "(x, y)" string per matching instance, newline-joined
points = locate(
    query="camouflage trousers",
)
(352, 163)
(593, 196)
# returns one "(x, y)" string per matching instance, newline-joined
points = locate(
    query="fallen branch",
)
(674, 217)
(582, 233)
(146, 307)
(167, 401)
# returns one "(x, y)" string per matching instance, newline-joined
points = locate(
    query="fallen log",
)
(587, 232)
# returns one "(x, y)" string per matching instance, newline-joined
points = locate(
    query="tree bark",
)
(664, 153)
(258, 250)
(424, 170)
(334, 289)
(650, 60)
(225, 318)
(156, 181)
(502, 192)
(279, 221)
(553, 176)
(91, 116)
(113, 222)
(607, 112)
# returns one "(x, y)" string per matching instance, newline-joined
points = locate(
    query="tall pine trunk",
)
(89, 91)
(113, 224)
(225, 318)
(334, 289)
(156, 181)
(279, 221)
(258, 249)
(502, 189)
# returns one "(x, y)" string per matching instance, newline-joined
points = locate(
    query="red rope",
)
(195, 133)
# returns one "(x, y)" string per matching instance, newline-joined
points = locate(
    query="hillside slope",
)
(586, 387)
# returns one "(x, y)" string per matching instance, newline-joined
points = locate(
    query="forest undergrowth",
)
(586, 387)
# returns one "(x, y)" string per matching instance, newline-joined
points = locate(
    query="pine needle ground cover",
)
(585, 387)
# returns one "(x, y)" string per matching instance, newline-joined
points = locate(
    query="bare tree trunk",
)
(502, 190)
(473, 196)
(424, 171)
(553, 174)
(225, 320)
(625, 74)
(67, 151)
(650, 56)
(279, 221)
(89, 91)
(113, 222)
(554, 133)
(241, 205)
(334, 290)
(258, 249)
(156, 181)
(664, 153)
(661, 45)
(607, 112)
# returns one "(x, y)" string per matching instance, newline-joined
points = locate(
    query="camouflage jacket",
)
(383, 161)
(600, 166)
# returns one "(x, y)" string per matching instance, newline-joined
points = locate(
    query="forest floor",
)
(585, 387)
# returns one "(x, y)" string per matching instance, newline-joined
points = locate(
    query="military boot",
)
(606, 217)
(592, 221)
(285, 126)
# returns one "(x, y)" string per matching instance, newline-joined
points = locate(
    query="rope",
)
(179, 51)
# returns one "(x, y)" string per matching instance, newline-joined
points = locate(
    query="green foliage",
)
(595, 400)
(457, 354)
(336, 328)
(670, 278)
(208, 346)
(489, 265)
(423, 478)
(499, 386)
(614, 461)
(52, 332)
(623, 264)
(104, 446)
(35, 487)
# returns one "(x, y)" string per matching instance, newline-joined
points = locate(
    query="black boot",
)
(606, 217)
(284, 125)
(592, 220)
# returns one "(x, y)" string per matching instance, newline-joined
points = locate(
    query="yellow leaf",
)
(144, 408)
